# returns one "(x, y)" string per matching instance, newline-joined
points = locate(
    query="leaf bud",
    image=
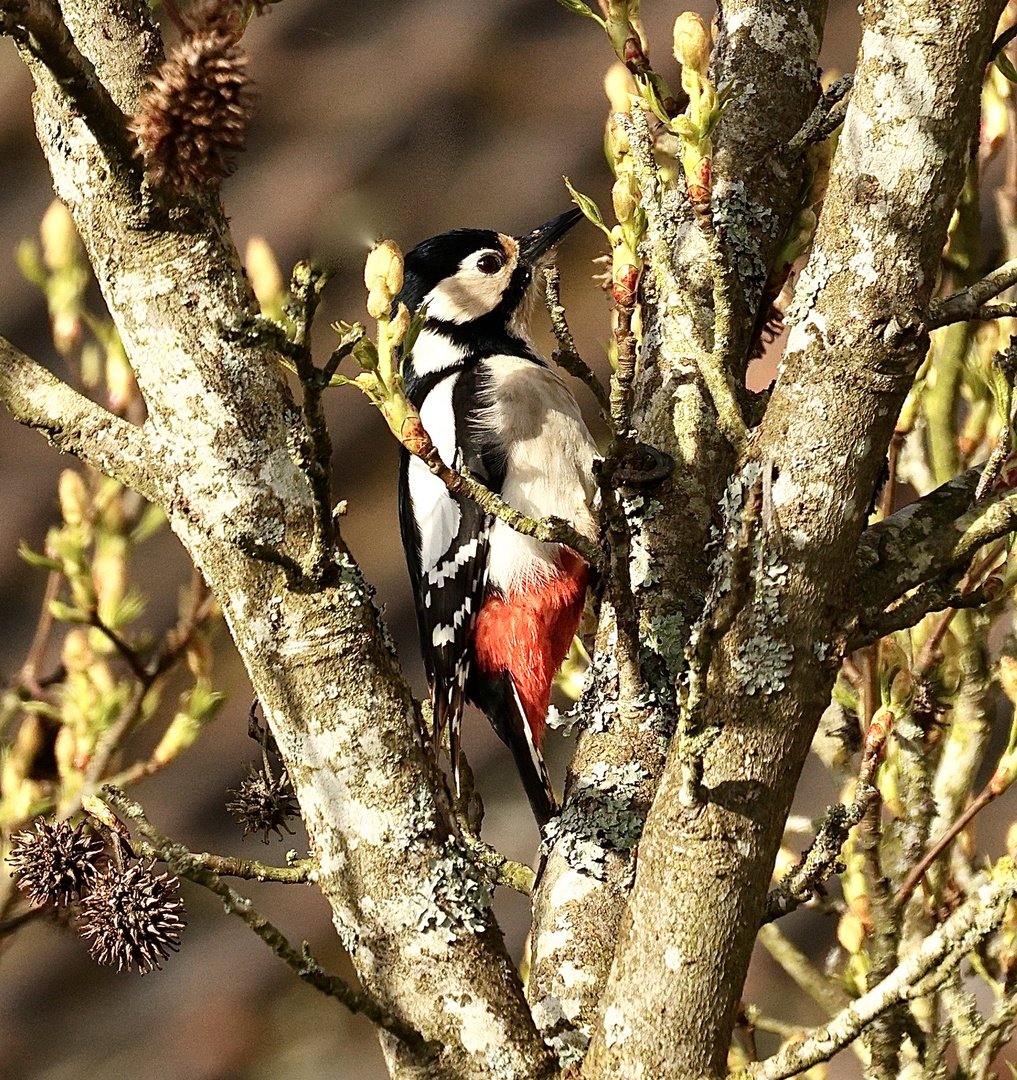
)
(60, 244)
(379, 300)
(400, 325)
(692, 42)
(619, 87)
(624, 196)
(851, 933)
(383, 271)
(1008, 677)
(74, 497)
(77, 654)
(263, 270)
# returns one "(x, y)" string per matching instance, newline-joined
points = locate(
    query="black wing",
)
(446, 544)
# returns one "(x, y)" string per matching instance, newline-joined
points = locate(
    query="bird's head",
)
(478, 275)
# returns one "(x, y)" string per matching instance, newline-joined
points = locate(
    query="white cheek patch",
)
(468, 293)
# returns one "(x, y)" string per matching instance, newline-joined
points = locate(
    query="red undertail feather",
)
(528, 634)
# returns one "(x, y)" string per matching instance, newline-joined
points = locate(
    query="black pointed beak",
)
(544, 237)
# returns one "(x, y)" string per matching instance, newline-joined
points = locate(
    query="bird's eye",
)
(490, 263)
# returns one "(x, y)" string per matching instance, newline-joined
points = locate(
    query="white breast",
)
(535, 421)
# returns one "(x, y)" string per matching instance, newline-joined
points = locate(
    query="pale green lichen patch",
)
(738, 220)
(454, 900)
(812, 280)
(600, 816)
(763, 661)
(558, 1022)
(642, 567)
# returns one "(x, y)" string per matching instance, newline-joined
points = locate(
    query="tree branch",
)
(825, 118)
(75, 425)
(965, 304)
(565, 355)
(39, 27)
(816, 865)
(187, 865)
(942, 549)
(940, 953)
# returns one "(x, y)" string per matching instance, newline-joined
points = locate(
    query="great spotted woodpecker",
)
(496, 610)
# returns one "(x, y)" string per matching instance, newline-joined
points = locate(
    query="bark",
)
(618, 952)
(408, 902)
(629, 720)
(668, 1007)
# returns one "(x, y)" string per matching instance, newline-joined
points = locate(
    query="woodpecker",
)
(496, 610)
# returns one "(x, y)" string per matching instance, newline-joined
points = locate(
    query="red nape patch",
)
(528, 634)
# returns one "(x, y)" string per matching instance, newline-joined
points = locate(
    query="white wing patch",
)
(438, 575)
(434, 510)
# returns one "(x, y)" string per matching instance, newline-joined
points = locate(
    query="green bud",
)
(692, 43)
(619, 87)
(74, 497)
(266, 278)
(60, 245)
(399, 326)
(624, 196)
(383, 276)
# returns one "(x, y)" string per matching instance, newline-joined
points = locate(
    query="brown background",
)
(397, 118)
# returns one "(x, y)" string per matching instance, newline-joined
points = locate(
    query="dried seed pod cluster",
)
(192, 120)
(130, 916)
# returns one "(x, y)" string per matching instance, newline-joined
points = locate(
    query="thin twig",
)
(28, 677)
(997, 459)
(621, 380)
(964, 304)
(506, 872)
(174, 647)
(565, 355)
(552, 530)
(936, 595)
(992, 790)
(124, 648)
(186, 864)
(715, 366)
(297, 873)
(940, 953)
(825, 992)
(826, 117)
(820, 860)
(316, 453)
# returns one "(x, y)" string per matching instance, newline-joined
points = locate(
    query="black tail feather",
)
(500, 702)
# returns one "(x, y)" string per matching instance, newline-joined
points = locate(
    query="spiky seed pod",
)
(264, 804)
(192, 120)
(56, 862)
(133, 917)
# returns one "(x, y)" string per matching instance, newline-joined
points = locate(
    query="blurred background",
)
(398, 118)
